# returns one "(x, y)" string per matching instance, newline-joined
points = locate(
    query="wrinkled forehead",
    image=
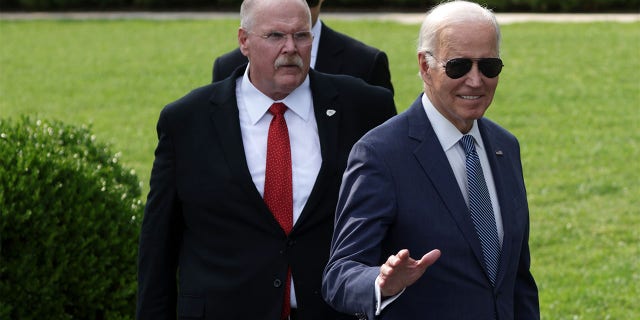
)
(477, 37)
(272, 14)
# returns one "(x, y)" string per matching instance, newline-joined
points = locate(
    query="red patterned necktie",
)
(278, 193)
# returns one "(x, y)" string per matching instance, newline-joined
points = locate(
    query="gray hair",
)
(248, 12)
(450, 13)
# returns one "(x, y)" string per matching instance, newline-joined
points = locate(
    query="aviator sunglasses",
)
(458, 67)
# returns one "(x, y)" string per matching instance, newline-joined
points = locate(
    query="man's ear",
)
(425, 70)
(243, 37)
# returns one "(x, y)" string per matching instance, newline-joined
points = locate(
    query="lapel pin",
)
(330, 112)
(499, 153)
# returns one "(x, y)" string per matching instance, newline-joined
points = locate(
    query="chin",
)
(473, 114)
(290, 82)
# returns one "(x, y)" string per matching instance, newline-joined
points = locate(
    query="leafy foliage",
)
(69, 223)
(502, 5)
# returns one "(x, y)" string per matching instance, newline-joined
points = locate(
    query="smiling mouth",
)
(470, 97)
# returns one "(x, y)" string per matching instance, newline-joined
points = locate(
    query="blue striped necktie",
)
(481, 209)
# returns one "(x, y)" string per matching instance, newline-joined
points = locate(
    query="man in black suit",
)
(211, 246)
(332, 52)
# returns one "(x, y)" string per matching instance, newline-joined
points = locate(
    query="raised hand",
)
(401, 271)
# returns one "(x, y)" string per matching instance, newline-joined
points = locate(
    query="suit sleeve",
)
(380, 74)
(366, 207)
(160, 235)
(223, 66)
(226, 64)
(214, 76)
(526, 304)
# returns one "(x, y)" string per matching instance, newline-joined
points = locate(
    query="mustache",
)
(289, 60)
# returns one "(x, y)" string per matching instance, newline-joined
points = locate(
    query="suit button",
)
(277, 283)
(291, 243)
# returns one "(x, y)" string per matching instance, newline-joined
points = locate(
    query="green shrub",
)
(70, 215)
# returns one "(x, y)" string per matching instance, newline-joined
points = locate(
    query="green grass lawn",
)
(570, 92)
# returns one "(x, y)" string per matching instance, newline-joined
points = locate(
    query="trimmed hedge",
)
(70, 218)
(421, 5)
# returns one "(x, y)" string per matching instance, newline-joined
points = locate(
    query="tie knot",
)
(278, 108)
(467, 143)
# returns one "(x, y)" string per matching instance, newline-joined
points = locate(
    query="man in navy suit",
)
(210, 246)
(406, 244)
(332, 52)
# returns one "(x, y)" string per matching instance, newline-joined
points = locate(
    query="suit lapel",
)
(328, 50)
(225, 120)
(500, 161)
(438, 170)
(328, 113)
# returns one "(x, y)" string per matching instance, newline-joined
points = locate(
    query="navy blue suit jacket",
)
(398, 192)
(209, 246)
(337, 54)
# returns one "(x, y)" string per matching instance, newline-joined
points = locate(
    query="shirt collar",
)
(316, 30)
(298, 101)
(447, 133)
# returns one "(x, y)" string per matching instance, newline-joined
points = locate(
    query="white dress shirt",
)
(449, 137)
(306, 159)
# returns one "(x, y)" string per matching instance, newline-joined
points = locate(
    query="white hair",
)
(451, 13)
(249, 8)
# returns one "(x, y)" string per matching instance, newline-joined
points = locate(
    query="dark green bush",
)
(70, 216)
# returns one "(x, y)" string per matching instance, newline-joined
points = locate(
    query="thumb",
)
(430, 258)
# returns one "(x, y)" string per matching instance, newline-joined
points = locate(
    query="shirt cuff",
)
(380, 304)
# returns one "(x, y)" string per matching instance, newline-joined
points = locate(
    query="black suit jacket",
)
(206, 221)
(337, 54)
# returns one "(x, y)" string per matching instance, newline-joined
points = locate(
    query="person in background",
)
(432, 219)
(332, 52)
(244, 185)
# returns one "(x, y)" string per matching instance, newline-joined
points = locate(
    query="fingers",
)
(403, 254)
(400, 271)
(393, 263)
(403, 257)
(397, 259)
(403, 260)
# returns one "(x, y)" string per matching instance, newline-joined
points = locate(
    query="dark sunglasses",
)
(458, 67)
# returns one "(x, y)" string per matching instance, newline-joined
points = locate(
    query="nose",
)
(289, 44)
(474, 77)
